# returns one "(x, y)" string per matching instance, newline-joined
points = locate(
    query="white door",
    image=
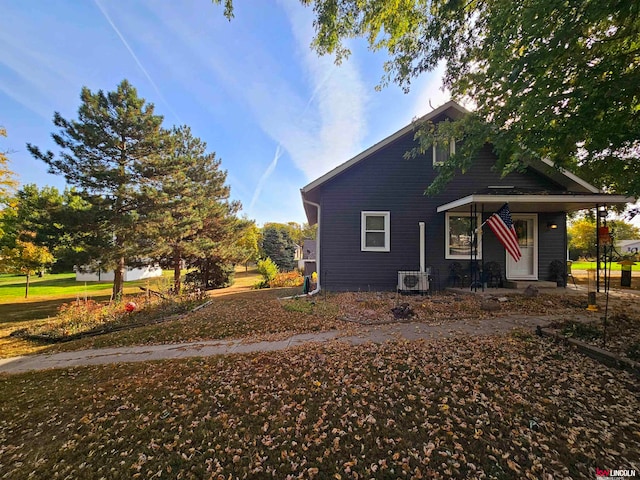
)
(527, 267)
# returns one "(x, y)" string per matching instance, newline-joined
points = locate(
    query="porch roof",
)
(534, 203)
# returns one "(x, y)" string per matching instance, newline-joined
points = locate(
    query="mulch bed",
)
(378, 308)
(617, 332)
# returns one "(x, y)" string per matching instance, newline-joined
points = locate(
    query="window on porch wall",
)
(458, 239)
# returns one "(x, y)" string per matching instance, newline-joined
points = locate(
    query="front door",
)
(527, 267)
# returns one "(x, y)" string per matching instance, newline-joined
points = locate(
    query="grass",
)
(64, 285)
(615, 266)
(490, 407)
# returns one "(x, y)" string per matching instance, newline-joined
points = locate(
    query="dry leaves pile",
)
(259, 315)
(256, 315)
(373, 308)
(487, 407)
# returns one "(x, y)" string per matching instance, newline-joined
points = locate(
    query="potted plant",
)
(557, 272)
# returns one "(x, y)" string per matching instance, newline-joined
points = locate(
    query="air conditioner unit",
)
(409, 281)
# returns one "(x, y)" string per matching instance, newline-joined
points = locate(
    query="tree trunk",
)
(176, 273)
(118, 279)
(26, 289)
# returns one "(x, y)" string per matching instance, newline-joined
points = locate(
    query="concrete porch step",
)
(522, 284)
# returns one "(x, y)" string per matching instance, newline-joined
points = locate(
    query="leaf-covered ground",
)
(261, 315)
(619, 334)
(373, 308)
(256, 315)
(489, 407)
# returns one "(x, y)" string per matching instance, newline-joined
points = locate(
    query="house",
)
(374, 220)
(89, 274)
(307, 264)
(628, 247)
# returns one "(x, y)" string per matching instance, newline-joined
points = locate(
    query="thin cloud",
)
(265, 176)
(136, 59)
(432, 94)
(339, 98)
(318, 131)
(33, 76)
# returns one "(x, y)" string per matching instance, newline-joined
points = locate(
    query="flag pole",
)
(479, 233)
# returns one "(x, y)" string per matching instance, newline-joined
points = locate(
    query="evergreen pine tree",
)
(109, 153)
(188, 214)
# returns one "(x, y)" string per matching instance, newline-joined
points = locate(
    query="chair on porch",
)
(456, 275)
(474, 275)
(493, 275)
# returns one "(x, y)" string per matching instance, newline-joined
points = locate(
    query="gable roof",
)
(456, 110)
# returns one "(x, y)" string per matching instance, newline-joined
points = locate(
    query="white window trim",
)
(452, 151)
(447, 254)
(387, 231)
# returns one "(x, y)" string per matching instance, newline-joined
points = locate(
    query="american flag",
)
(502, 225)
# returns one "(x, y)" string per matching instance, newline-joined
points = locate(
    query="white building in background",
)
(628, 247)
(88, 274)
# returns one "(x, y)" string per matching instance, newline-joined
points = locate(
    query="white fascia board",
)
(594, 199)
(572, 177)
(383, 143)
(457, 203)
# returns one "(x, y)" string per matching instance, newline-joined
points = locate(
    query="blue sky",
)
(275, 113)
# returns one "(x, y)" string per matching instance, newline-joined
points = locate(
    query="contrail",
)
(316, 90)
(279, 150)
(265, 176)
(137, 60)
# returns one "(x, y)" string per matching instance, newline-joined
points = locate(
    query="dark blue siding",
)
(387, 182)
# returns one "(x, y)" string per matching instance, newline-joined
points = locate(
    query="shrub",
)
(210, 274)
(84, 316)
(81, 316)
(287, 279)
(583, 331)
(268, 269)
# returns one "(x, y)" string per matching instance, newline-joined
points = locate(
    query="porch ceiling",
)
(531, 203)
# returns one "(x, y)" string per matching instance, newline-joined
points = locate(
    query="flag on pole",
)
(502, 226)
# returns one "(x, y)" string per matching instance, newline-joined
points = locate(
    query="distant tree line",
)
(582, 235)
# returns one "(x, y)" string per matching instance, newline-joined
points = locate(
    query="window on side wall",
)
(458, 237)
(442, 153)
(375, 231)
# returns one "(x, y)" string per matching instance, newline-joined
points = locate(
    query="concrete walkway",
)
(365, 334)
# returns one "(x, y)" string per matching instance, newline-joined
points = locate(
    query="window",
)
(442, 153)
(458, 240)
(375, 231)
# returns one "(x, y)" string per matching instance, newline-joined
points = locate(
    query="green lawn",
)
(615, 266)
(64, 285)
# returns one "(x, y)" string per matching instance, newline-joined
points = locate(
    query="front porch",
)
(480, 259)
